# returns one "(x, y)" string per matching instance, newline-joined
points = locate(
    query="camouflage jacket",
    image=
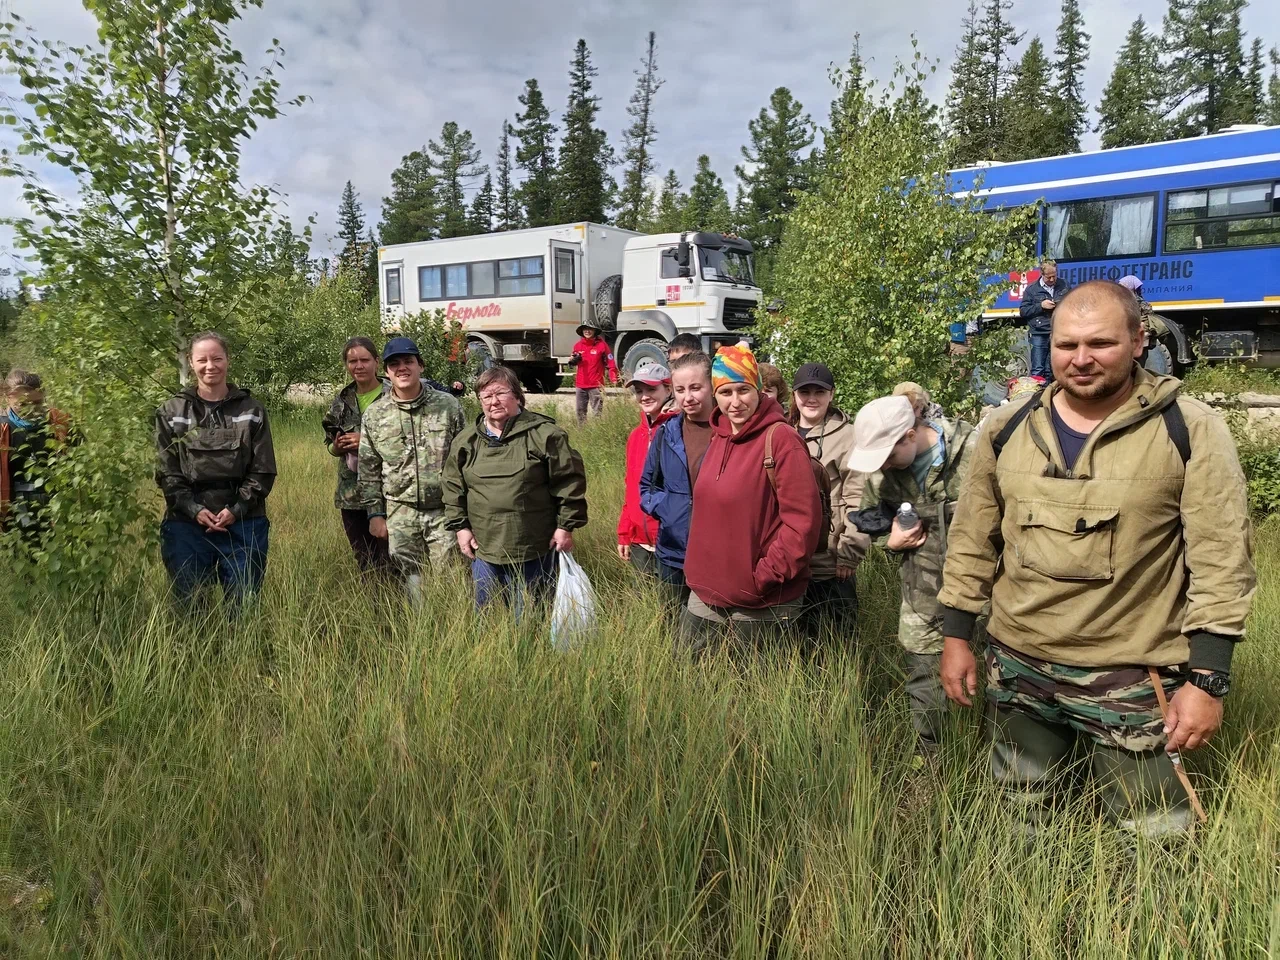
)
(403, 447)
(344, 417)
(922, 568)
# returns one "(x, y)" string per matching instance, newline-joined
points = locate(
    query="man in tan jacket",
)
(1105, 520)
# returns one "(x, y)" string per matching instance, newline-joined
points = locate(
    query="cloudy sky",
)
(384, 75)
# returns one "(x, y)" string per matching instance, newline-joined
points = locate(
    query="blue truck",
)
(1197, 220)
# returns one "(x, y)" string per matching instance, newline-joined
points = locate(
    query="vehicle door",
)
(567, 296)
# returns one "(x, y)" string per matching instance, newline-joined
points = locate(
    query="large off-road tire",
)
(650, 348)
(992, 384)
(479, 357)
(608, 302)
(1159, 360)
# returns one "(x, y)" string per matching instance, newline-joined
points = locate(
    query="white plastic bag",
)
(574, 612)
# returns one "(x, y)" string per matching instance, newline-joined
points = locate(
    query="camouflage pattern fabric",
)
(920, 616)
(416, 536)
(1116, 706)
(343, 416)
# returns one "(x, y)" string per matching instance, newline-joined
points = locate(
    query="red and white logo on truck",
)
(1018, 283)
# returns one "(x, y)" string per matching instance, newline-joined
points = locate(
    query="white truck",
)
(521, 295)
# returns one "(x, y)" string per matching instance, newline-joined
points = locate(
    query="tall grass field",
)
(338, 776)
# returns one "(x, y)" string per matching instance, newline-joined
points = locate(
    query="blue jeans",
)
(1040, 355)
(237, 558)
(535, 577)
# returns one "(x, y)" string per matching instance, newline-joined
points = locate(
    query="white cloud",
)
(384, 75)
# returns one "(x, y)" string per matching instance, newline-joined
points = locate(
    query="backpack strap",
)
(998, 442)
(769, 462)
(1176, 424)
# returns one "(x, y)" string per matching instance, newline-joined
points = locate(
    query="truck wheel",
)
(650, 348)
(991, 384)
(608, 302)
(479, 359)
(1158, 360)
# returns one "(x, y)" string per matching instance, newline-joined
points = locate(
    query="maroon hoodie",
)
(747, 546)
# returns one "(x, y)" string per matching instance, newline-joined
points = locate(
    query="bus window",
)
(1094, 229)
(1247, 215)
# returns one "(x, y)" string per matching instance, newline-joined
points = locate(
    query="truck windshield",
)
(731, 265)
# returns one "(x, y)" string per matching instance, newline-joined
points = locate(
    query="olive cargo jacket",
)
(513, 492)
(214, 455)
(1131, 558)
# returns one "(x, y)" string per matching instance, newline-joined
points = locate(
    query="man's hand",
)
(467, 544)
(223, 520)
(1194, 717)
(1047, 305)
(959, 671)
(900, 540)
(347, 442)
(378, 527)
(562, 541)
(624, 551)
(843, 572)
(207, 520)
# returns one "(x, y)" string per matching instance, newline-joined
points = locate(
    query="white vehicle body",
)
(521, 295)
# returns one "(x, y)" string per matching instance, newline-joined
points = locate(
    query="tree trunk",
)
(163, 148)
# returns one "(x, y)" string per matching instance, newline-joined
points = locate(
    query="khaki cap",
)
(876, 431)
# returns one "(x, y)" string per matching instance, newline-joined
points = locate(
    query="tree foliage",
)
(412, 212)
(1071, 54)
(635, 201)
(350, 221)
(1206, 74)
(535, 155)
(669, 209)
(584, 188)
(777, 166)
(1130, 112)
(1271, 112)
(482, 207)
(880, 258)
(506, 203)
(1037, 131)
(966, 114)
(456, 162)
(707, 206)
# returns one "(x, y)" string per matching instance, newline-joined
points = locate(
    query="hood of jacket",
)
(192, 393)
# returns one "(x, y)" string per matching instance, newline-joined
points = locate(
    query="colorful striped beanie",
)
(736, 364)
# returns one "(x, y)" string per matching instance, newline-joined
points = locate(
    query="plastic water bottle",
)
(908, 519)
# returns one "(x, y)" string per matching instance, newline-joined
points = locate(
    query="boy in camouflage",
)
(921, 462)
(404, 441)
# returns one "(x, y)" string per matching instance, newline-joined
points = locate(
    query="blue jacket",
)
(1039, 319)
(665, 491)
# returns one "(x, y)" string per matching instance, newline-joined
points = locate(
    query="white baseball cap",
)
(876, 431)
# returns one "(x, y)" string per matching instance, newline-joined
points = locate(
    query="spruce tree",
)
(456, 160)
(668, 216)
(1205, 69)
(482, 207)
(1271, 113)
(850, 83)
(707, 207)
(1255, 94)
(370, 267)
(638, 140)
(1037, 132)
(350, 223)
(1070, 56)
(506, 204)
(412, 212)
(966, 117)
(1130, 112)
(776, 167)
(996, 41)
(535, 154)
(583, 185)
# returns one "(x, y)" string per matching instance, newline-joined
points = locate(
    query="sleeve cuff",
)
(1212, 651)
(958, 623)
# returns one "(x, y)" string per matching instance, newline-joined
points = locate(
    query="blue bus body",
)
(1197, 220)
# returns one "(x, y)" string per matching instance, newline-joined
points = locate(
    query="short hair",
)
(359, 342)
(690, 360)
(771, 378)
(1098, 293)
(685, 341)
(213, 335)
(22, 380)
(1048, 262)
(915, 393)
(503, 375)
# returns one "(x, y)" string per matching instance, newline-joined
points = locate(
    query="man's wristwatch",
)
(1214, 684)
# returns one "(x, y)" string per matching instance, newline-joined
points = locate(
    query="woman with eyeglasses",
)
(514, 492)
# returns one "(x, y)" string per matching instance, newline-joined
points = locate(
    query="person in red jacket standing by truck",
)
(593, 357)
(757, 517)
(637, 531)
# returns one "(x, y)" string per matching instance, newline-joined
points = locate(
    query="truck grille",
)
(739, 314)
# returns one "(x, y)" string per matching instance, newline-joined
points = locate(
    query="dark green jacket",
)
(515, 491)
(214, 455)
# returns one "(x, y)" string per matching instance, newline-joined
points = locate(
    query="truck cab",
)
(698, 283)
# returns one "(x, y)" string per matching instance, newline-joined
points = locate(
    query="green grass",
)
(336, 777)
(1232, 378)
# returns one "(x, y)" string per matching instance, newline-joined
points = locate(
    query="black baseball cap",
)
(814, 375)
(400, 347)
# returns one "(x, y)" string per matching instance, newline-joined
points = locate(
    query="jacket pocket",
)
(214, 453)
(1066, 541)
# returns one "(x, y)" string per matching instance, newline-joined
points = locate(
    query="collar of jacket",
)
(191, 392)
(835, 421)
(352, 389)
(668, 412)
(522, 422)
(1151, 394)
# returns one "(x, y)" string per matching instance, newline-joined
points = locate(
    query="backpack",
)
(1174, 423)
(819, 475)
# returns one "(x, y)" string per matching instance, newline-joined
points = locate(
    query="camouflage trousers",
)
(415, 537)
(1047, 720)
(920, 637)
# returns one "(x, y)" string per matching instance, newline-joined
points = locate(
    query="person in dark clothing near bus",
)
(1038, 303)
(30, 435)
(216, 466)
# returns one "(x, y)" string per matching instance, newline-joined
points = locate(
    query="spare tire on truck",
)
(608, 302)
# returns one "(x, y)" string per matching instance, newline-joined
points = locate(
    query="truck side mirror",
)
(686, 271)
(683, 254)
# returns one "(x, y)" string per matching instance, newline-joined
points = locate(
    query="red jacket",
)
(634, 525)
(596, 355)
(61, 431)
(747, 546)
